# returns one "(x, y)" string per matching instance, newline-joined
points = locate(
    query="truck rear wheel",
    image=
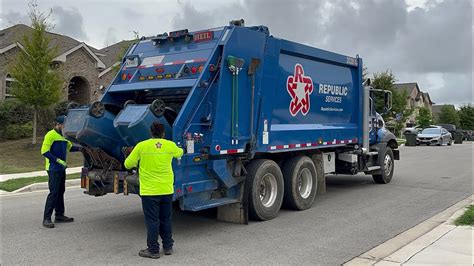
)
(387, 164)
(265, 189)
(300, 178)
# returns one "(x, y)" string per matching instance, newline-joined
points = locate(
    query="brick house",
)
(82, 68)
(416, 99)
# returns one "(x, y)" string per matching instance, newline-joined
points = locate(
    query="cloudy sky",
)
(424, 41)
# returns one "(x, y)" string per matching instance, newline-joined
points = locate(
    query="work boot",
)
(169, 251)
(147, 254)
(63, 219)
(47, 223)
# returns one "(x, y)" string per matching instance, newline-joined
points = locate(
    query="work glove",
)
(61, 162)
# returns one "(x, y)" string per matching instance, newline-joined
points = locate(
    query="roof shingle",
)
(114, 52)
(15, 34)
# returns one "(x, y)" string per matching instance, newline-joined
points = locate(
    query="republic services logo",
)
(299, 87)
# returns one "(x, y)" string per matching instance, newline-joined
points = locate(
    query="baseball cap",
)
(60, 119)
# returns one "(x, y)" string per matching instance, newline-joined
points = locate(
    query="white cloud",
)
(429, 42)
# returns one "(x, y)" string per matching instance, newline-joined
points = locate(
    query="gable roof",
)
(62, 57)
(408, 87)
(426, 97)
(110, 54)
(13, 36)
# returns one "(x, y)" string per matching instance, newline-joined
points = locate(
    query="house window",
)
(8, 87)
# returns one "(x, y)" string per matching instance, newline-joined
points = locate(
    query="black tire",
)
(158, 107)
(450, 142)
(97, 109)
(385, 177)
(299, 190)
(259, 172)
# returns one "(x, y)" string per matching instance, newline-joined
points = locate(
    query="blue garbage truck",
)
(262, 121)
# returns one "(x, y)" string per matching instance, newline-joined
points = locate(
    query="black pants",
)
(157, 210)
(55, 199)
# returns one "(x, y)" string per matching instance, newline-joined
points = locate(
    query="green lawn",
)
(14, 184)
(19, 156)
(467, 218)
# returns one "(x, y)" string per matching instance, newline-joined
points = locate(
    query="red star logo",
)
(299, 87)
(158, 145)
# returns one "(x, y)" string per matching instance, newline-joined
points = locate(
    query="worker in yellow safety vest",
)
(54, 149)
(153, 157)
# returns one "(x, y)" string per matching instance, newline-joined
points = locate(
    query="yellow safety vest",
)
(154, 157)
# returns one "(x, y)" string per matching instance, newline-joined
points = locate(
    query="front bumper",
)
(427, 141)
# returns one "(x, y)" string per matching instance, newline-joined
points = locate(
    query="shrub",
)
(17, 131)
(61, 108)
(17, 116)
(14, 112)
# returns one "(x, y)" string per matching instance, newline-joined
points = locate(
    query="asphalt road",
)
(354, 216)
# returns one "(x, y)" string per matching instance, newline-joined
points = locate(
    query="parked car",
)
(467, 134)
(450, 127)
(434, 136)
(417, 129)
(412, 130)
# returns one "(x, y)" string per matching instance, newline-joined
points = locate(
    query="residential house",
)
(82, 68)
(416, 99)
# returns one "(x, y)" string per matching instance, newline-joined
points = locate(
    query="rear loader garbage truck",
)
(262, 120)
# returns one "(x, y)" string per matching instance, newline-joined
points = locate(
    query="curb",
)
(5, 177)
(43, 186)
(402, 247)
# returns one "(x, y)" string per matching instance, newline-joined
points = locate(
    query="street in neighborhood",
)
(352, 217)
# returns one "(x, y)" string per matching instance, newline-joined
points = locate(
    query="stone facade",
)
(416, 99)
(5, 60)
(79, 64)
(82, 68)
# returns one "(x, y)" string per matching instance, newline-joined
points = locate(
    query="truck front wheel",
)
(301, 182)
(387, 165)
(265, 189)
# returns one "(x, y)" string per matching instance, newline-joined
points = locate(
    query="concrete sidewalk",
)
(5, 177)
(434, 241)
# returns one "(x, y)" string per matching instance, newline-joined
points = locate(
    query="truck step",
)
(373, 168)
(209, 204)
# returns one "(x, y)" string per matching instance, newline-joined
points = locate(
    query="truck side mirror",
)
(387, 99)
(380, 124)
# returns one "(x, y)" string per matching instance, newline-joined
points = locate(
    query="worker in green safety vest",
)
(153, 157)
(54, 149)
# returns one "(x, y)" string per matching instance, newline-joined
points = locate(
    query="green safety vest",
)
(154, 157)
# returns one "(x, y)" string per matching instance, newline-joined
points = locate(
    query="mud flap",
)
(318, 161)
(235, 212)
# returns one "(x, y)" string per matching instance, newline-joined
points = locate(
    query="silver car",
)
(434, 136)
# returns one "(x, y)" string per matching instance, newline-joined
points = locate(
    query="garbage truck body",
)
(262, 120)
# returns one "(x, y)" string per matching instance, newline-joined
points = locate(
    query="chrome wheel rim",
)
(388, 164)
(305, 183)
(268, 190)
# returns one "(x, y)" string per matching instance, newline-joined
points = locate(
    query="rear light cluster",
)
(193, 70)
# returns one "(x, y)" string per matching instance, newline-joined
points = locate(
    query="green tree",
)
(448, 115)
(424, 117)
(399, 112)
(36, 84)
(466, 117)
